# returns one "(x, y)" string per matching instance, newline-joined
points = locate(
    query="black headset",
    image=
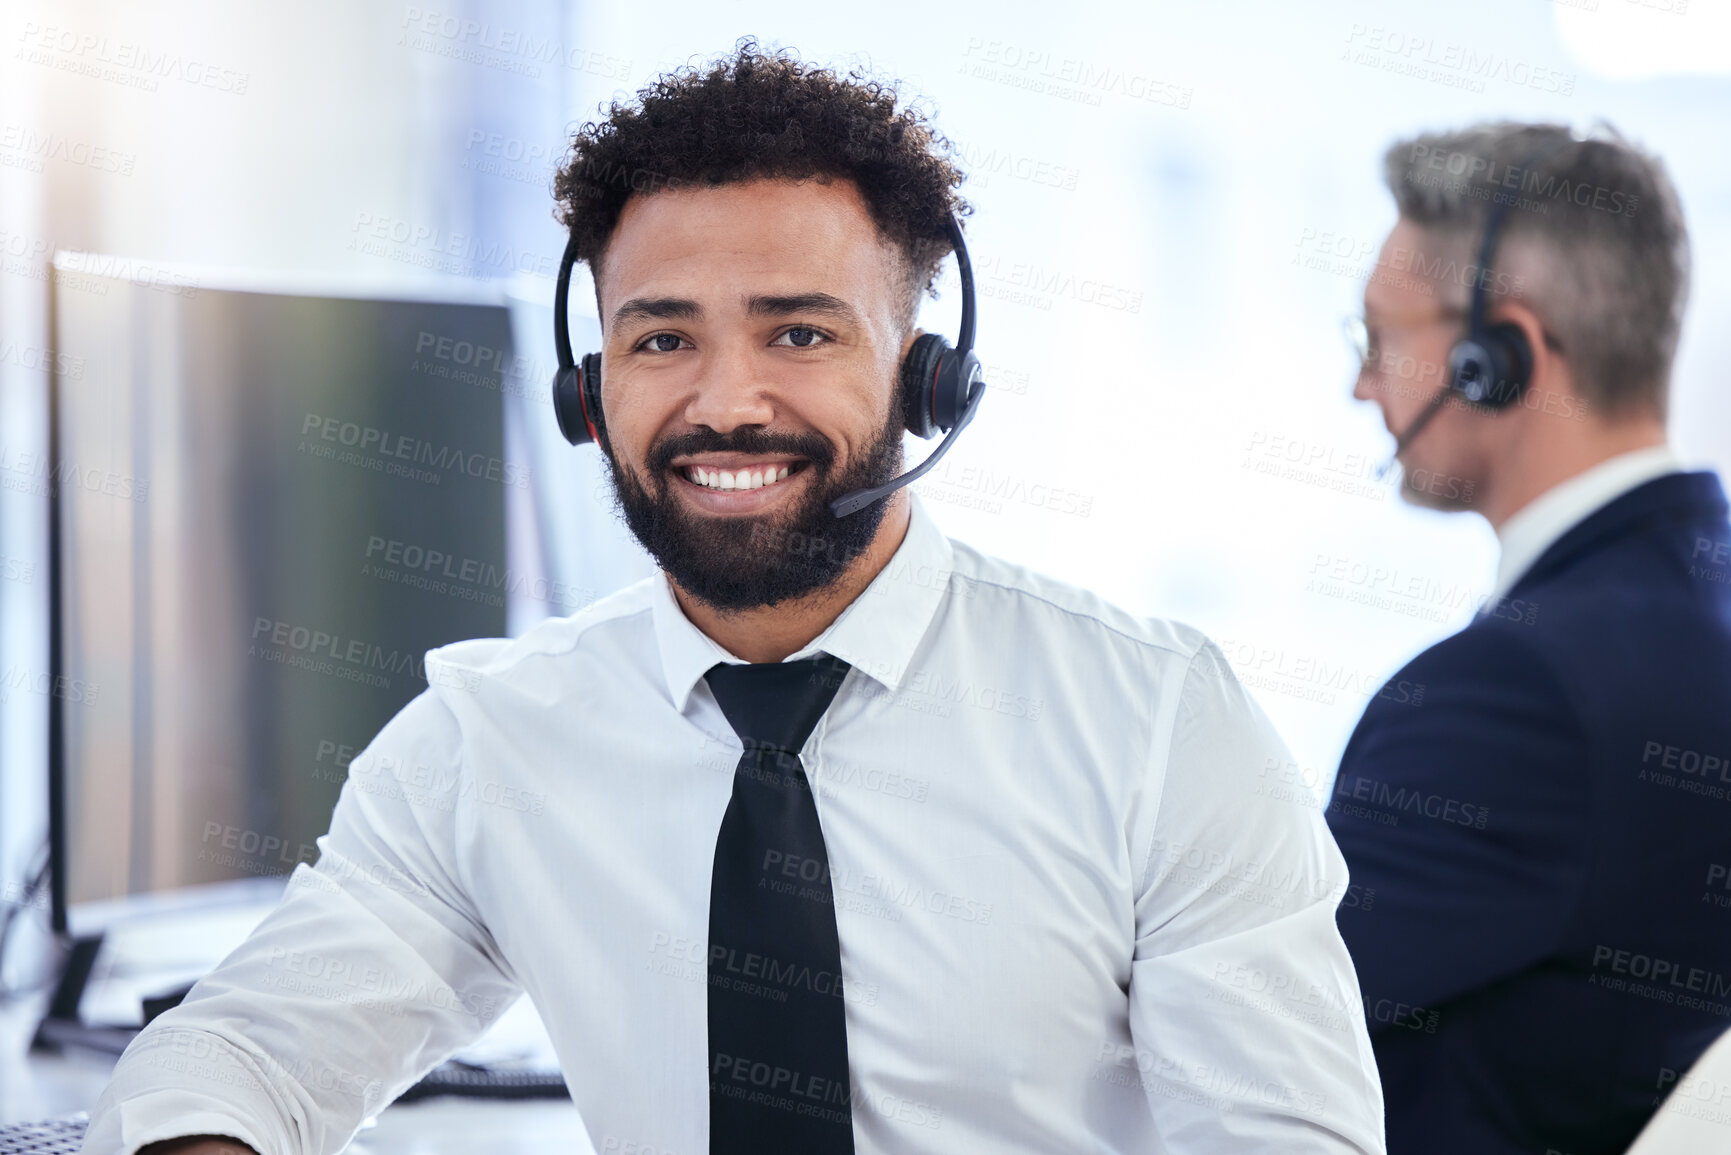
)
(1491, 365)
(941, 385)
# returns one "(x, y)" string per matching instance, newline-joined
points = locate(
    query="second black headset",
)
(941, 384)
(1492, 363)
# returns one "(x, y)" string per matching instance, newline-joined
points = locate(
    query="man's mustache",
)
(750, 439)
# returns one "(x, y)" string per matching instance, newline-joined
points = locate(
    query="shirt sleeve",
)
(373, 969)
(1245, 1017)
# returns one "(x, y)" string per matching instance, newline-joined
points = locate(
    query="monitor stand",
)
(147, 935)
(61, 1026)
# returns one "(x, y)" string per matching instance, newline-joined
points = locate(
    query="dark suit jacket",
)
(1540, 839)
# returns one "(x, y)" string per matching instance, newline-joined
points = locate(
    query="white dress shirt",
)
(1082, 905)
(1537, 525)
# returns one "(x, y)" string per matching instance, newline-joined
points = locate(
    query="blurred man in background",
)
(1545, 828)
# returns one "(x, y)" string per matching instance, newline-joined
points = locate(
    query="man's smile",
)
(737, 483)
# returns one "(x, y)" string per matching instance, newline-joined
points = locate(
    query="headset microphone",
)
(940, 385)
(1412, 431)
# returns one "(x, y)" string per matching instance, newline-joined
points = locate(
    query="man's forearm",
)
(198, 1145)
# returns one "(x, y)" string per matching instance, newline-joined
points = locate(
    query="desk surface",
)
(35, 1086)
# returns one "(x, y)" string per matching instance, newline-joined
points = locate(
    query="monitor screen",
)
(270, 505)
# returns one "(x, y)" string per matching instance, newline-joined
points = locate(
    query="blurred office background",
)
(1175, 205)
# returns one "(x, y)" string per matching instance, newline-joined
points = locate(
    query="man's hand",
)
(198, 1145)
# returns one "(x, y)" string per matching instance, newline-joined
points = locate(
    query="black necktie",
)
(778, 1074)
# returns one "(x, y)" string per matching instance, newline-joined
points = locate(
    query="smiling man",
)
(835, 835)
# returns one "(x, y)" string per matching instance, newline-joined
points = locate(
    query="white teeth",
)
(742, 479)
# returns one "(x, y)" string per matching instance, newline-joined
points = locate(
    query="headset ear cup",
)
(920, 370)
(577, 400)
(1512, 356)
(1471, 369)
(591, 396)
(957, 379)
(1493, 371)
(568, 404)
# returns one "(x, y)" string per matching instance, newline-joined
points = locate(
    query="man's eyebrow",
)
(657, 309)
(781, 306)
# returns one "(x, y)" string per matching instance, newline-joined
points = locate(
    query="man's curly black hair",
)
(766, 115)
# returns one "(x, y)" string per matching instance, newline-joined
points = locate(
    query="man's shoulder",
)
(1488, 652)
(1647, 554)
(467, 661)
(1016, 594)
(1646, 583)
(1492, 676)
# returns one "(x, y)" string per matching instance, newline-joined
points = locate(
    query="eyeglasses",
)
(1363, 342)
(1357, 334)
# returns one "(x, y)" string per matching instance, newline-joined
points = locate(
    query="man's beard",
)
(1454, 491)
(1424, 491)
(746, 562)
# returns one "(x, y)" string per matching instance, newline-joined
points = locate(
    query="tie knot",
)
(776, 704)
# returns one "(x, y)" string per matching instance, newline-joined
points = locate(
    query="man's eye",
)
(801, 337)
(662, 343)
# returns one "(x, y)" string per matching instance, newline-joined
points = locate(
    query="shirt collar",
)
(1538, 524)
(876, 634)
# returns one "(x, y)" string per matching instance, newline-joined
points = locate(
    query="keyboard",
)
(66, 1136)
(482, 1083)
(53, 1137)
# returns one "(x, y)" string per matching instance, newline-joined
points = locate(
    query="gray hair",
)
(1594, 239)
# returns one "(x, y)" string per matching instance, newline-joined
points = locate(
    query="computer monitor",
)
(272, 499)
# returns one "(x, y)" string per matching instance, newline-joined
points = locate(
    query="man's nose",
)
(1363, 385)
(730, 392)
